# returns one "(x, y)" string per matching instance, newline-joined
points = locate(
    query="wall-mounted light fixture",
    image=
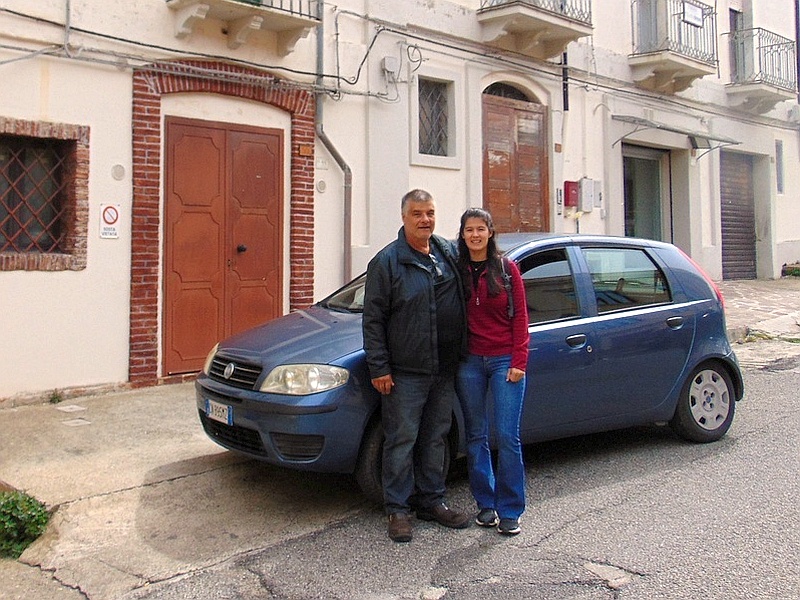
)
(699, 143)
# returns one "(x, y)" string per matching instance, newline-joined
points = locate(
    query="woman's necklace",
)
(476, 267)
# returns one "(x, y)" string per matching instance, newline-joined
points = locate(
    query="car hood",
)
(315, 335)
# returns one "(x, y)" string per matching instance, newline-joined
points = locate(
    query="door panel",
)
(193, 267)
(628, 345)
(559, 370)
(255, 216)
(515, 181)
(222, 254)
(531, 172)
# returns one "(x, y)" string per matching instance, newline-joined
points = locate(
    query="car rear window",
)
(625, 278)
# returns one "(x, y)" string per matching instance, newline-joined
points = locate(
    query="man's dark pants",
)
(416, 419)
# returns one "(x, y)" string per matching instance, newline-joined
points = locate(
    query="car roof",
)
(508, 242)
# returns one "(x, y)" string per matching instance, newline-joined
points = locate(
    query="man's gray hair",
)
(414, 196)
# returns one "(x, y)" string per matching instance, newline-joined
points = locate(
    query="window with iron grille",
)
(433, 117)
(32, 204)
(43, 195)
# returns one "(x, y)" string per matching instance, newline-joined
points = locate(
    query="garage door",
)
(738, 216)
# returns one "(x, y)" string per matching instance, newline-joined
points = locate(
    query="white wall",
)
(70, 328)
(787, 204)
(64, 329)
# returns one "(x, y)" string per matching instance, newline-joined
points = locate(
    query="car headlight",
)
(209, 359)
(300, 380)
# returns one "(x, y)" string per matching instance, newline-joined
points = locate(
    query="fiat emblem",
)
(229, 369)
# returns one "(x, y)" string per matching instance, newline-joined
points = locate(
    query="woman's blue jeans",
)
(503, 489)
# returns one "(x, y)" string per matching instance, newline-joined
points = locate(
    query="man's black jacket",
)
(400, 309)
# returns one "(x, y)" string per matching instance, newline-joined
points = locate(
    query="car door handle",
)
(577, 341)
(675, 322)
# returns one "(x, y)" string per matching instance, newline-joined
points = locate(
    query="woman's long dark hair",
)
(493, 256)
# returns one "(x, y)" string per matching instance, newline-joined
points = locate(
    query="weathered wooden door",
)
(515, 170)
(222, 236)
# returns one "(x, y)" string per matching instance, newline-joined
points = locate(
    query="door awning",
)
(698, 140)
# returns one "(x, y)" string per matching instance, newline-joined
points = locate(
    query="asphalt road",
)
(634, 514)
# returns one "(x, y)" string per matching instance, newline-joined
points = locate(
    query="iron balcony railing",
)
(578, 10)
(685, 27)
(303, 8)
(761, 56)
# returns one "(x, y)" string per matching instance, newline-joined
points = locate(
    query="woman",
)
(497, 318)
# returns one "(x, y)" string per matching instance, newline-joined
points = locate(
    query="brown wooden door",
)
(222, 238)
(515, 181)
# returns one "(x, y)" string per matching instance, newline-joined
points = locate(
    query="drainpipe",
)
(565, 80)
(796, 42)
(67, 26)
(347, 251)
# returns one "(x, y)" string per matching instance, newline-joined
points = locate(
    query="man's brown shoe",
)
(400, 527)
(444, 516)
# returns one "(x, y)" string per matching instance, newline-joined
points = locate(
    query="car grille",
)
(233, 436)
(297, 447)
(244, 375)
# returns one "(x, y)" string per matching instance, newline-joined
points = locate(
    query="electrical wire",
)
(183, 53)
(444, 45)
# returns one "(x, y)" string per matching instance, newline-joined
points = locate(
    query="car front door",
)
(561, 360)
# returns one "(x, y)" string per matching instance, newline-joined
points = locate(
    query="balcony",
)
(763, 70)
(290, 20)
(673, 44)
(538, 28)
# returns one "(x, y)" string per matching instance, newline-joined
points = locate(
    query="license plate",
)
(219, 412)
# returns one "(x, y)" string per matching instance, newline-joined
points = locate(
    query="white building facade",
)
(174, 171)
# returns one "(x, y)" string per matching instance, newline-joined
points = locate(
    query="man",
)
(414, 336)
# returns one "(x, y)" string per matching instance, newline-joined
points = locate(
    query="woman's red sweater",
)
(491, 332)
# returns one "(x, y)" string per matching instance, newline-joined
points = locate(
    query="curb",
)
(737, 335)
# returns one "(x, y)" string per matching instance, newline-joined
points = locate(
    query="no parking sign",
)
(109, 220)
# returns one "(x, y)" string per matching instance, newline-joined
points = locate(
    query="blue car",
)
(623, 332)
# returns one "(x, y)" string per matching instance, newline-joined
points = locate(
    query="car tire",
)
(368, 466)
(706, 405)
(368, 472)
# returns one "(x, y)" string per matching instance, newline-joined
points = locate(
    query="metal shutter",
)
(738, 216)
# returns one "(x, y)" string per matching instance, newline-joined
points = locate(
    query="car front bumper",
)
(320, 432)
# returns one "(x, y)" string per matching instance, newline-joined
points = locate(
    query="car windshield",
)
(350, 298)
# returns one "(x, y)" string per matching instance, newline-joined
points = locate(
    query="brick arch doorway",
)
(149, 84)
(515, 168)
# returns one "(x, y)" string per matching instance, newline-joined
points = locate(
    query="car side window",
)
(549, 286)
(625, 278)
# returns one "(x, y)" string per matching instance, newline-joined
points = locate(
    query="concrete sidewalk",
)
(141, 495)
(135, 483)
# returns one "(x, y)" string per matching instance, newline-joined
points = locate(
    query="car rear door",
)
(641, 337)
